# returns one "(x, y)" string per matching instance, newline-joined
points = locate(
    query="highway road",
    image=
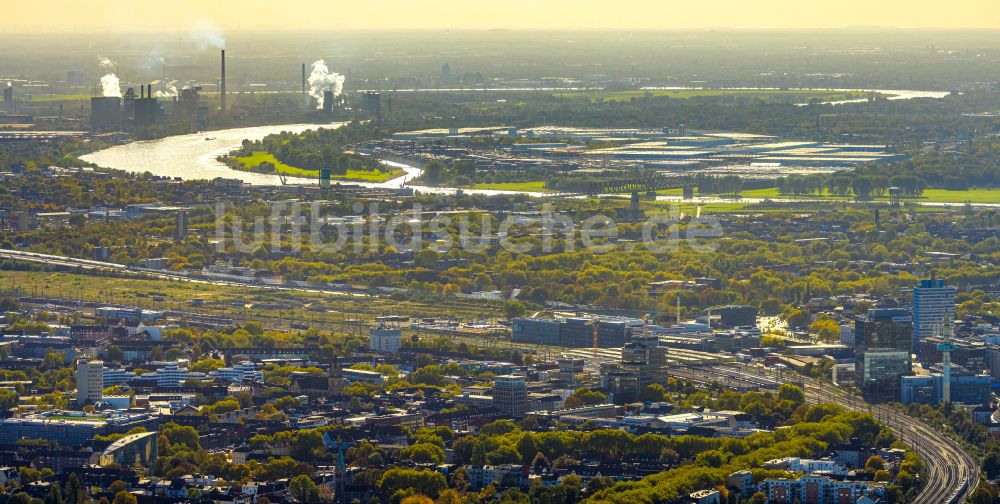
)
(952, 474)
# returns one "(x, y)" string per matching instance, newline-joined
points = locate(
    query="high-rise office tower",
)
(883, 344)
(89, 381)
(182, 225)
(933, 308)
(510, 395)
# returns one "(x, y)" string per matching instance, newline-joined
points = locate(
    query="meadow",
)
(254, 160)
(929, 196)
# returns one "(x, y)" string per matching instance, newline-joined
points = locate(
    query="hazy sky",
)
(47, 15)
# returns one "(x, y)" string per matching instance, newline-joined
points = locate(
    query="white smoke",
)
(321, 79)
(169, 90)
(106, 64)
(205, 35)
(110, 86)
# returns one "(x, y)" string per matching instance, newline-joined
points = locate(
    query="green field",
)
(929, 196)
(768, 94)
(688, 208)
(971, 196)
(58, 97)
(772, 192)
(254, 160)
(533, 186)
(676, 191)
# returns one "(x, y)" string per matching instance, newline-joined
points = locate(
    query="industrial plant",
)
(322, 90)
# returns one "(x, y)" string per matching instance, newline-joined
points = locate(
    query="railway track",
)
(952, 474)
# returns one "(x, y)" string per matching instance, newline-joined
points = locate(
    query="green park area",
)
(537, 186)
(265, 162)
(970, 196)
(56, 97)
(928, 196)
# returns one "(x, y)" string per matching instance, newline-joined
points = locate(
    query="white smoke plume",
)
(169, 90)
(205, 35)
(321, 79)
(110, 87)
(106, 64)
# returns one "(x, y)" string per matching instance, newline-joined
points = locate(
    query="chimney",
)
(149, 91)
(303, 78)
(142, 92)
(223, 82)
(327, 101)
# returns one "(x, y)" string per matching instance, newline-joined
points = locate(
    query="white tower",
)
(947, 328)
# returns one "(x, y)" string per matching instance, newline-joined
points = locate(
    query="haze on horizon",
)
(77, 16)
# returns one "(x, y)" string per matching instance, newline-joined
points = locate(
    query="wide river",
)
(193, 157)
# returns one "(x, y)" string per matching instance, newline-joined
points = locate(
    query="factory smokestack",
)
(223, 82)
(327, 102)
(303, 78)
